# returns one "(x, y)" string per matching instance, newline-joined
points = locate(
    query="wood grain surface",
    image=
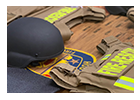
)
(89, 34)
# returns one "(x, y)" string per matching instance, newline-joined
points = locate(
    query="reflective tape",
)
(106, 57)
(125, 82)
(127, 79)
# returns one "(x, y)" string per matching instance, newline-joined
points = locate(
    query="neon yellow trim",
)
(59, 14)
(128, 79)
(124, 86)
(109, 68)
(106, 72)
(121, 58)
(125, 53)
(85, 53)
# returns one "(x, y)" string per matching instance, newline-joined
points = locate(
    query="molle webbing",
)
(65, 18)
(62, 17)
(111, 72)
(93, 13)
(60, 74)
(14, 12)
(82, 14)
(107, 43)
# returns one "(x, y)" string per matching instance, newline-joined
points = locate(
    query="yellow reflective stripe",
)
(124, 86)
(59, 14)
(128, 79)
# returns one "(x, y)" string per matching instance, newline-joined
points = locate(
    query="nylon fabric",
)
(60, 16)
(21, 80)
(116, 64)
(130, 14)
(118, 10)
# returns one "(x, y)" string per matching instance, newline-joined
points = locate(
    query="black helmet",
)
(31, 40)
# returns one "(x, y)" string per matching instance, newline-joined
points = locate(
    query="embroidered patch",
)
(59, 14)
(117, 64)
(74, 57)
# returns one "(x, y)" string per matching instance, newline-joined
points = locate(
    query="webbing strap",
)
(130, 14)
(85, 88)
(110, 41)
(64, 30)
(74, 22)
(77, 72)
(62, 80)
(11, 17)
(14, 12)
(98, 10)
(24, 10)
(131, 11)
(66, 66)
(68, 69)
(107, 43)
(93, 13)
(101, 48)
(41, 11)
(63, 75)
(81, 14)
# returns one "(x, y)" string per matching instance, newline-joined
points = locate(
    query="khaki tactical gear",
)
(114, 72)
(62, 17)
(130, 14)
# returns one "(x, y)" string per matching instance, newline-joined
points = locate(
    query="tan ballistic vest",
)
(62, 17)
(114, 72)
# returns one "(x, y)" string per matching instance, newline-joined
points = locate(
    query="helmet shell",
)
(32, 39)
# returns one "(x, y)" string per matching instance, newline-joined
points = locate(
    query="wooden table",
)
(89, 34)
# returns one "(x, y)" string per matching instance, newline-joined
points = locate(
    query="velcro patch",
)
(118, 64)
(77, 58)
(59, 14)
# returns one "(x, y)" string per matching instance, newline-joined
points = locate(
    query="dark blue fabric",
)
(24, 81)
(118, 10)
